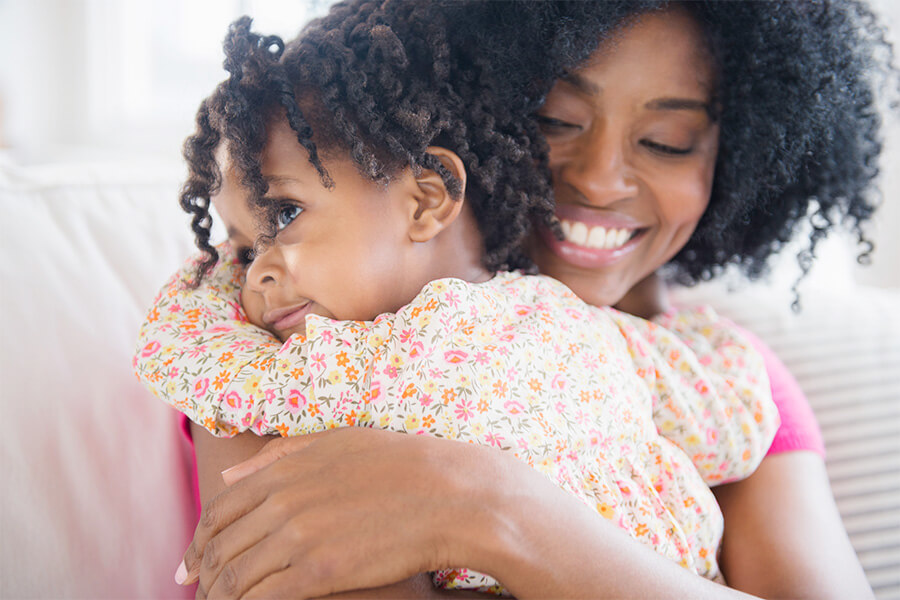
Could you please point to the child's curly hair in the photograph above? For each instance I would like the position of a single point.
(797, 82)
(375, 80)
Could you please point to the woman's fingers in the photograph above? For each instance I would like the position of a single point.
(224, 556)
(269, 453)
(219, 513)
(247, 569)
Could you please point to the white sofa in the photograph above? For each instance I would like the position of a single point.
(96, 479)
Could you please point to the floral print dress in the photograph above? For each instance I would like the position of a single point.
(635, 418)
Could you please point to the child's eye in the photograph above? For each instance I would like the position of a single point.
(286, 214)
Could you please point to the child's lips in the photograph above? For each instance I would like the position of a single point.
(281, 319)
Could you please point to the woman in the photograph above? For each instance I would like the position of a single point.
(727, 119)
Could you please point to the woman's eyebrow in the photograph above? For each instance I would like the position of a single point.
(583, 85)
(679, 104)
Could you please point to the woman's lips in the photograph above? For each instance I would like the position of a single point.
(582, 254)
(282, 319)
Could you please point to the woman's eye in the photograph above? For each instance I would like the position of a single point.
(666, 149)
(245, 256)
(551, 124)
(286, 215)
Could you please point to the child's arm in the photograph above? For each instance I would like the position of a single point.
(197, 352)
(710, 389)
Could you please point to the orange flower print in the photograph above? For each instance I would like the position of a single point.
(226, 357)
(534, 384)
(448, 396)
(342, 359)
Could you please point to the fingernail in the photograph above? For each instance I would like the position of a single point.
(228, 473)
(181, 574)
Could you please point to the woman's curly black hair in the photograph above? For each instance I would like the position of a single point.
(799, 125)
(376, 81)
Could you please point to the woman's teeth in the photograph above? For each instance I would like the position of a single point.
(598, 237)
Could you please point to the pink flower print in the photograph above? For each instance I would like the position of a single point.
(455, 356)
(327, 337)
(220, 328)
(494, 439)
(523, 310)
(711, 436)
(416, 349)
(195, 352)
(407, 335)
(317, 360)
(451, 298)
(513, 407)
(173, 372)
(390, 371)
(247, 419)
(522, 444)
(200, 387)
(425, 400)
(295, 401)
(233, 400)
(175, 308)
(558, 382)
(464, 410)
(560, 407)
(482, 358)
(270, 396)
(150, 349)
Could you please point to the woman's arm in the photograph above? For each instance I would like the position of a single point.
(386, 506)
(784, 536)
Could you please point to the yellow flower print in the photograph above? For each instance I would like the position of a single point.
(251, 385)
(335, 377)
(430, 387)
(605, 510)
(375, 340)
(396, 361)
(412, 422)
(477, 429)
(384, 421)
(424, 320)
(439, 286)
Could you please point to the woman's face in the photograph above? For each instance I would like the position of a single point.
(632, 152)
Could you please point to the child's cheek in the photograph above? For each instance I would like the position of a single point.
(254, 306)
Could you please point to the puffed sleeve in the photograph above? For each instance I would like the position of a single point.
(197, 352)
(711, 394)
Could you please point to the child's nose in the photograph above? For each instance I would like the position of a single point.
(264, 272)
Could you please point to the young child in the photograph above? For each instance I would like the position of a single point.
(385, 237)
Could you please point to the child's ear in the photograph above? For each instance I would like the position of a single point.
(436, 207)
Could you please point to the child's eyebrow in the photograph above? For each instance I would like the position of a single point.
(277, 179)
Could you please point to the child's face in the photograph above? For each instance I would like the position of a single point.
(338, 253)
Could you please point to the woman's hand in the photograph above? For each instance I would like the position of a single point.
(339, 510)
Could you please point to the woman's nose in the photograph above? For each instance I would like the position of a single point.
(600, 171)
(265, 271)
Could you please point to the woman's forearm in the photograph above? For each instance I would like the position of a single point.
(542, 542)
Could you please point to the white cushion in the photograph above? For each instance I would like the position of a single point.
(96, 479)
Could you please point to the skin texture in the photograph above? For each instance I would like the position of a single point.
(330, 498)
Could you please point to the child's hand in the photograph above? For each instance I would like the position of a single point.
(341, 510)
